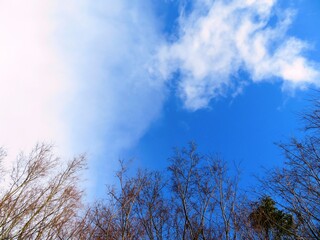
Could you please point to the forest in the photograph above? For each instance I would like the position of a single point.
(198, 196)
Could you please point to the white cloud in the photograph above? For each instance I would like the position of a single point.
(220, 38)
(115, 97)
(77, 74)
(32, 76)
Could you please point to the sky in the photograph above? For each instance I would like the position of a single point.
(134, 79)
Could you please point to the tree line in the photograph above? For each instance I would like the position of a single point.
(197, 197)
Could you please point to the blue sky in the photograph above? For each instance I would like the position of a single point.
(122, 79)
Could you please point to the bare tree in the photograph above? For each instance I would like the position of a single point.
(196, 200)
(205, 196)
(153, 209)
(115, 218)
(43, 199)
(227, 196)
(297, 184)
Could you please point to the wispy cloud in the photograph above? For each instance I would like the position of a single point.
(218, 39)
